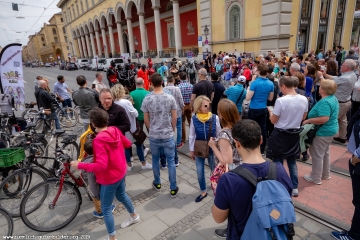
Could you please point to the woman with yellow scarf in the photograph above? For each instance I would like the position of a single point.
(204, 125)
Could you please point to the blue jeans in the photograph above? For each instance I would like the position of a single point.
(67, 103)
(178, 130)
(167, 146)
(292, 170)
(139, 151)
(259, 116)
(57, 123)
(200, 169)
(107, 194)
(163, 158)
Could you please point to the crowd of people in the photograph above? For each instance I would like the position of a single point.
(286, 96)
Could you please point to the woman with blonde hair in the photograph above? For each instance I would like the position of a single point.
(324, 115)
(203, 126)
(119, 96)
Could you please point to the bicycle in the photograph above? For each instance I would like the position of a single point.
(6, 224)
(16, 184)
(57, 201)
(68, 117)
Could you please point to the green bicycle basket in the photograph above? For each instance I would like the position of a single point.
(11, 156)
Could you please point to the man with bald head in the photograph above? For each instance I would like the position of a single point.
(45, 100)
(138, 96)
(203, 87)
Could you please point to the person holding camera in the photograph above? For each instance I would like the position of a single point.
(280, 70)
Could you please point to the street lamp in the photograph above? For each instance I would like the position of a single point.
(206, 33)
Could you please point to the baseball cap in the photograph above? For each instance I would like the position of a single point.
(242, 79)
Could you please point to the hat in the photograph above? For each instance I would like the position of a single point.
(242, 79)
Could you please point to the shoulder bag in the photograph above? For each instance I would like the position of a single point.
(139, 135)
(201, 147)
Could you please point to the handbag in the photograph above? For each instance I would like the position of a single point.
(219, 170)
(201, 147)
(139, 135)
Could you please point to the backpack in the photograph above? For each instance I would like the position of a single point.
(191, 72)
(273, 212)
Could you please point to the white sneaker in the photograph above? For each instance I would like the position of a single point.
(130, 221)
(146, 151)
(147, 166)
(295, 192)
(129, 168)
(131, 159)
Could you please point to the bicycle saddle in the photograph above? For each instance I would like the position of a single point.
(30, 125)
(59, 132)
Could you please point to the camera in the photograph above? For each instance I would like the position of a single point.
(282, 73)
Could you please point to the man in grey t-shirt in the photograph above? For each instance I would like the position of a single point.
(160, 118)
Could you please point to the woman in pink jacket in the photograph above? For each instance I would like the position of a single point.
(109, 166)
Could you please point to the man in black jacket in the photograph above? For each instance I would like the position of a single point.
(45, 100)
(117, 114)
(338, 56)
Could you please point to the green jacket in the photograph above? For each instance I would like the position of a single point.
(303, 136)
(138, 96)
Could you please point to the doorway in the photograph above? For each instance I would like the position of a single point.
(126, 42)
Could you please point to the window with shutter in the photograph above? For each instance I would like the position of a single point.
(234, 23)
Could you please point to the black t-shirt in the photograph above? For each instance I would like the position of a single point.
(203, 87)
(218, 93)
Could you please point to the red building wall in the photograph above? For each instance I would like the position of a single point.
(185, 18)
(150, 28)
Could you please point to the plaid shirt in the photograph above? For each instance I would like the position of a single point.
(186, 91)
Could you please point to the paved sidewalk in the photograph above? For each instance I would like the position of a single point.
(163, 217)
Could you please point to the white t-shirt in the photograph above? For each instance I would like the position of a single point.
(290, 109)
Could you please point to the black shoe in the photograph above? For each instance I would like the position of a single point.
(200, 198)
(221, 233)
(340, 139)
(174, 192)
(305, 158)
(157, 186)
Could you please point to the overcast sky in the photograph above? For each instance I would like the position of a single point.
(31, 10)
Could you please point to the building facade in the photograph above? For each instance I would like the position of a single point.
(33, 46)
(54, 42)
(323, 24)
(168, 28)
(25, 54)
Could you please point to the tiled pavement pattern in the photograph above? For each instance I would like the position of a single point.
(163, 217)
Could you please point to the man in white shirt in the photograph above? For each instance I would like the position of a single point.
(98, 82)
(287, 115)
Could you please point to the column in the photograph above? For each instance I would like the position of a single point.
(176, 11)
(80, 47)
(88, 45)
(103, 35)
(83, 45)
(130, 35)
(112, 43)
(120, 36)
(143, 32)
(98, 43)
(159, 45)
(92, 44)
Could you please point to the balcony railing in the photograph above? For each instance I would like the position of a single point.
(151, 54)
(167, 53)
(188, 52)
(136, 55)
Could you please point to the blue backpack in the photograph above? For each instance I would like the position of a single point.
(228, 75)
(273, 212)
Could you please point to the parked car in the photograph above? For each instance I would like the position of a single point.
(89, 63)
(71, 66)
(34, 64)
(81, 63)
(101, 64)
(48, 65)
(62, 66)
(118, 61)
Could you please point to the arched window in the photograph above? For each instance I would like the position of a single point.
(87, 4)
(54, 31)
(82, 7)
(77, 10)
(234, 22)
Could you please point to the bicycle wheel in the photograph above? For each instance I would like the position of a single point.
(6, 224)
(31, 115)
(68, 117)
(71, 149)
(48, 217)
(15, 186)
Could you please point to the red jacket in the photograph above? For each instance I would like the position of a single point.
(247, 74)
(109, 163)
(144, 75)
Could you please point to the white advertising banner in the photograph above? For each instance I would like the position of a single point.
(11, 73)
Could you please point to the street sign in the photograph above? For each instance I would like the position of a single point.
(200, 41)
(15, 7)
